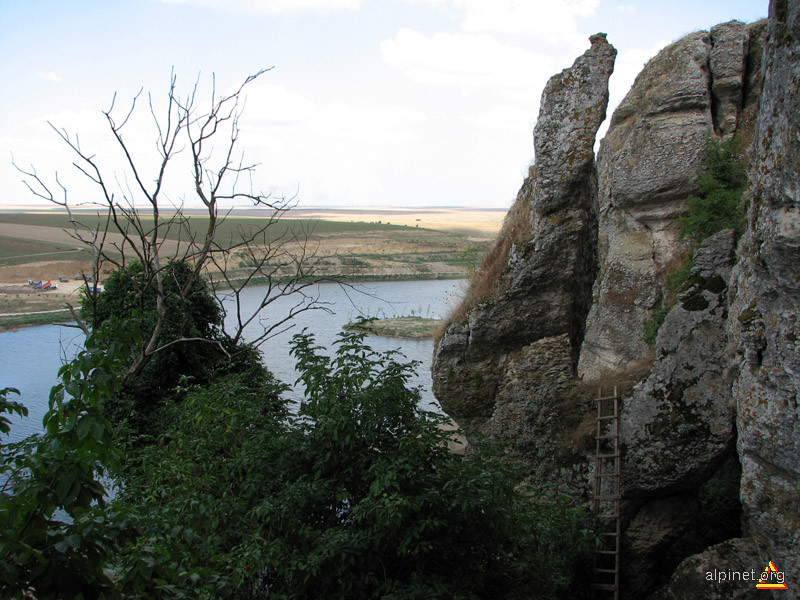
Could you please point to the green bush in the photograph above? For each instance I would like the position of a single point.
(235, 495)
(354, 497)
(126, 313)
(55, 537)
(651, 326)
(720, 185)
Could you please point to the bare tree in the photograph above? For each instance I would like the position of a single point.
(137, 223)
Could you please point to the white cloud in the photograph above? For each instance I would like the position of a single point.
(551, 20)
(274, 104)
(270, 107)
(275, 6)
(50, 76)
(506, 118)
(332, 151)
(627, 8)
(368, 123)
(469, 61)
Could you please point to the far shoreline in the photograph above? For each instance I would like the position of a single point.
(64, 316)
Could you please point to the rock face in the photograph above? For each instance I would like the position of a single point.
(765, 312)
(677, 428)
(710, 434)
(647, 168)
(678, 425)
(476, 372)
(705, 576)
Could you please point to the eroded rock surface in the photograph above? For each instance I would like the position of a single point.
(765, 313)
(678, 425)
(647, 168)
(476, 376)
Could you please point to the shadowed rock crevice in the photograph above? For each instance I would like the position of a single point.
(648, 167)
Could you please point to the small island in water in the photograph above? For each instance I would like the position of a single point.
(414, 328)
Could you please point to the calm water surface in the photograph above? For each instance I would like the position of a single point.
(30, 357)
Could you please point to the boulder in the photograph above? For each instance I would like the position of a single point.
(678, 425)
(722, 572)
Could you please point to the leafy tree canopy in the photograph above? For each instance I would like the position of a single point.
(194, 347)
(354, 496)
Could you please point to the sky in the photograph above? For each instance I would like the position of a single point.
(381, 103)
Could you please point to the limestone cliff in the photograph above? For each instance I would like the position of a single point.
(647, 168)
(481, 372)
(711, 430)
(764, 321)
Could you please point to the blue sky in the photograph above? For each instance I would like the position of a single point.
(370, 102)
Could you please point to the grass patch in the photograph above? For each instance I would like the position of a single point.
(16, 251)
(229, 229)
(26, 320)
(487, 280)
(651, 326)
(413, 328)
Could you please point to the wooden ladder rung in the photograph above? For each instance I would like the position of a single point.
(603, 498)
(605, 587)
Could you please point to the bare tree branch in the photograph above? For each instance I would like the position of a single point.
(120, 234)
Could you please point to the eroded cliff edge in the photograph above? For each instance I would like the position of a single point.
(713, 414)
(482, 372)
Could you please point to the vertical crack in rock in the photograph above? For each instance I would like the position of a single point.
(764, 322)
(727, 66)
(648, 167)
(549, 278)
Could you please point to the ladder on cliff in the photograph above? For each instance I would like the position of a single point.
(606, 563)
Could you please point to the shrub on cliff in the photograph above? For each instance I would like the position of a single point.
(718, 204)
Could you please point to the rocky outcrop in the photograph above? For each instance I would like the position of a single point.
(677, 427)
(710, 434)
(476, 373)
(647, 168)
(725, 571)
(765, 312)
(727, 63)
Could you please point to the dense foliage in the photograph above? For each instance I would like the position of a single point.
(126, 312)
(354, 497)
(718, 204)
(236, 493)
(54, 529)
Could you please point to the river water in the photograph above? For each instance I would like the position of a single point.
(30, 357)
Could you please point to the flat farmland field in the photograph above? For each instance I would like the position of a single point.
(348, 243)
